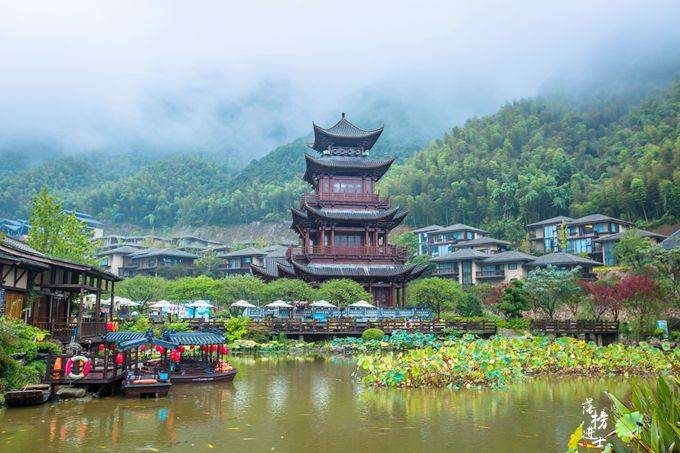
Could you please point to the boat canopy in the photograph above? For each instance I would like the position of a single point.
(193, 338)
(131, 340)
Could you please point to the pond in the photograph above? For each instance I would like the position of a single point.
(312, 404)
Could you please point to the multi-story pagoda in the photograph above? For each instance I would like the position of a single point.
(344, 225)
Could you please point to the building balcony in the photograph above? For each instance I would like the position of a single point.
(492, 274)
(390, 251)
(453, 273)
(346, 199)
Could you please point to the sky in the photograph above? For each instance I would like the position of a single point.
(243, 77)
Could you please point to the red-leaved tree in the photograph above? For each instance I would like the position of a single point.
(603, 297)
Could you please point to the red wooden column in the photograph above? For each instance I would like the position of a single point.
(366, 238)
(385, 242)
(375, 240)
(306, 245)
(332, 244)
(323, 238)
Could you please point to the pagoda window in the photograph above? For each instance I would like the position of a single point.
(346, 185)
(369, 185)
(349, 240)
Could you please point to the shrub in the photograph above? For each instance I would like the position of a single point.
(520, 324)
(469, 305)
(236, 328)
(140, 324)
(372, 334)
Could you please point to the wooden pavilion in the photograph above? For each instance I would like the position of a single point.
(49, 292)
(344, 225)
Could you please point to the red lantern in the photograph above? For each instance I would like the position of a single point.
(112, 347)
(119, 358)
(192, 347)
(204, 348)
(213, 348)
(142, 348)
(161, 350)
(224, 350)
(180, 348)
(175, 355)
(101, 347)
(109, 327)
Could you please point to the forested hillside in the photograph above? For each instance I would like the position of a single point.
(538, 158)
(533, 159)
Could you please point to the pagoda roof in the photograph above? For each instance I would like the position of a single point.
(392, 217)
(409, 271)
(344, 134)
(354, 214)
(344, 165)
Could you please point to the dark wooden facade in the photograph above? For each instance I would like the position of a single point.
(344, 225)
(49, 292)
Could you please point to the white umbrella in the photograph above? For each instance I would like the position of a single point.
(163, 304)
(243, 304)
(279, 304)
(200, 304)
(122, 302)
(362, 304)
(322, 304)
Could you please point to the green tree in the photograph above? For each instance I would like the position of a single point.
(57, 233)
(288, 289)
(210, 266)
(342, 292)
(549, 288)
(435, 293)
(514, 300)
(562, 237)
(638, 253)
(192, 288)
(408, 240)
(468, 305)
(143, 289)
(244, 287)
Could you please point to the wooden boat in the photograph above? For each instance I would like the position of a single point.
(141, 386)
(31, 395)
(202, 376)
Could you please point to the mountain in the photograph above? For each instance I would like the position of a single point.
(542, 157)
(610, 148)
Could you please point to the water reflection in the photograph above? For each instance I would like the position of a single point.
(314, 404)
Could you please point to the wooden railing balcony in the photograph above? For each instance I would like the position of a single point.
(63, 330)
(361, 250)
(345, 198)
(445, 272)
(496, 273)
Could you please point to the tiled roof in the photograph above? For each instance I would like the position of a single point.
(122, 250)
(551, 221)
(356, 270)
(344, 165)
(426, 229)
(618, 236)
(460, 227)
(672, 241)
(563, 259)
(354, 214)
(248, 251)
(481, 241)
(344, 133)
(511, 256)
(145, 253)
(463, 254)
(595, 218)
